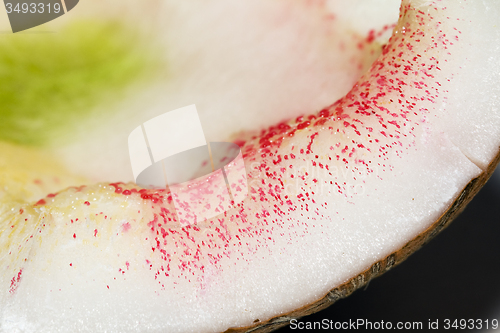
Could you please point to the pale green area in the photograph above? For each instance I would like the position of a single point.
(51, 81)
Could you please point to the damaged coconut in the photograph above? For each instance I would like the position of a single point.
(335, 197)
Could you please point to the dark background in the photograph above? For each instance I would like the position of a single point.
(455, 276)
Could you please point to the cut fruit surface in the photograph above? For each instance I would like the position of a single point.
(336, 196)
(264, 63)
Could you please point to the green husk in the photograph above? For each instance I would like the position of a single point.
(49, 82)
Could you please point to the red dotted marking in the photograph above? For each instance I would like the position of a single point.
(14, 282)
(41, 202)
(376, 118)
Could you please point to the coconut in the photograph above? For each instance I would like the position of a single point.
(335, 197)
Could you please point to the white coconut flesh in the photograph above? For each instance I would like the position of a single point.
(330, 193)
